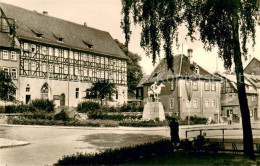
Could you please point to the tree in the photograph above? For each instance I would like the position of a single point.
(102, 90)
(221, 23)
(134, 70)
(7, 87)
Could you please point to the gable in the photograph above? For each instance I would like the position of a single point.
(253, 67)
(182, 68)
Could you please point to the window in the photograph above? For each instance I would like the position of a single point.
(14, 73)
(213, 86)
(44, 67)
(44, 91)
(214, 103)
(51, 51)
(171, 103)
(56, 52)
(33, 66)
(65, 54)
(6, 70)
(44, 50)
(76, 56)
(71, 70)
(50, 68)
(26, 65)
(71, 55)
(66, 70)
(27, 89)
(13, 56)
(77, 93)
(85, 72)
(76, 71)
(98, 73)
(207, 103)
(195, 85)
(33, 48)
(195, 103)
(90, 73)
(102, 74)
(206, 86)
(188, 104)
(5, 55)
(172, 85)
(253, 97)
(197, 70)
(26, 47)
(57, 69)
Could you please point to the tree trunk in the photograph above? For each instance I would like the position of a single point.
(247, 131)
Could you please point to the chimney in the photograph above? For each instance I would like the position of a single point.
(190, 51)
(85, 24)
(45, 13)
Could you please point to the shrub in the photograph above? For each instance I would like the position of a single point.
(43, 104)
(149, 123)
(109, 109)
(10, 109)
(90, 123)
(39, 115)
(120, 155)
(25, 108)
(131, 108)
(198, 120)
(2, 110)
(19, 109)
(105, 116)
(62, 116)
(88, 106)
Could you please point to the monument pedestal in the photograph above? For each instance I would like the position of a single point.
(153, 110)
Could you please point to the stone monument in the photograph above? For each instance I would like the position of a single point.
(153, 108)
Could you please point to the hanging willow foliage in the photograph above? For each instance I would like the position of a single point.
(160, 20)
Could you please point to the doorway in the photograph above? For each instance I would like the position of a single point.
(27, 99)
(62, 99)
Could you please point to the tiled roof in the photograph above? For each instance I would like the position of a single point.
(5, 40)
(232, 79)
(253, 67)
(140, 84)
(74, 36)
(253, 79)
(182, 68)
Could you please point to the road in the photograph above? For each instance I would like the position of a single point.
(50, 143)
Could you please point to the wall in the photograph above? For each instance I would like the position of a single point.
(58, 87)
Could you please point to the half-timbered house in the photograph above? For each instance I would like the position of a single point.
(56, 59)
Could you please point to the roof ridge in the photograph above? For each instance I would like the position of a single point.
(41, 14)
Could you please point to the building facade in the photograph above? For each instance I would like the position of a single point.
(229, 98)
(190, 90)
(56, 59)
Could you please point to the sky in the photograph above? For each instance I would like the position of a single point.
(106, 15)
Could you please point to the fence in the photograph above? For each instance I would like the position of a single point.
(233, 145)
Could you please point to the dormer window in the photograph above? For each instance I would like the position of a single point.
(59, 38)
(37, 34)
(197, 70)
(88, 44)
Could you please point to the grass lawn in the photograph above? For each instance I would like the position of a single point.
(180, 158)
